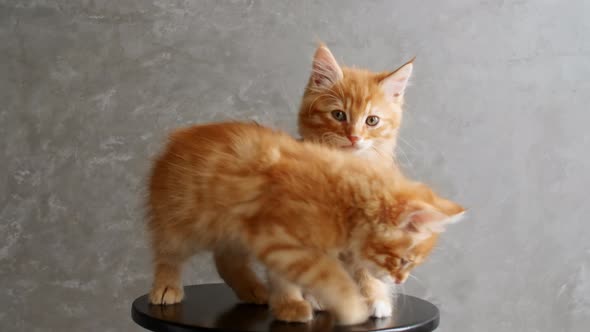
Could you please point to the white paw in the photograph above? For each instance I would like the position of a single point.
(315, 304)
(380, 309)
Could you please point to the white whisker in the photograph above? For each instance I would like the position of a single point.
(407, 143)
(405, 156)
(416, 278)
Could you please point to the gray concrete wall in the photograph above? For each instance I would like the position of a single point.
(497, 117)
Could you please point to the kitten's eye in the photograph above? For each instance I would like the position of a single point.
(339, 115)
(372, 120)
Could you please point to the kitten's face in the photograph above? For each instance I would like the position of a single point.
(409, 234)
(403, 256)
(352, 109)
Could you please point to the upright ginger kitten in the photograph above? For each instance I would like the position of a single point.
(243, 191)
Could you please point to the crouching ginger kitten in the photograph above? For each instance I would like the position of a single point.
(244, 191)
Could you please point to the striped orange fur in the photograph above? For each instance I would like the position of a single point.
(244, 191)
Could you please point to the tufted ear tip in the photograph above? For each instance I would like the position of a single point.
(325, 68)
(430, 221)
(458, 217)
(394, 85)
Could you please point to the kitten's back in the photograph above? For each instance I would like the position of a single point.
(219, 165)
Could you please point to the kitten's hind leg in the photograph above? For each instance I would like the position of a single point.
(286, 301)
(317, 272)
(169, 256)
(234, 265)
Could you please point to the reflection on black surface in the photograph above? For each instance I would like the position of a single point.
(215, 308)
(167, 312)
(249, 317)
(321, 322)
(243, 316)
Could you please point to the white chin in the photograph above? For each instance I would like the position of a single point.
(361, 147)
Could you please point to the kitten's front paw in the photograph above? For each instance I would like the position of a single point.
(166, 295)
(289, 310)
(381, 308)
(315, 304)
(355, 312)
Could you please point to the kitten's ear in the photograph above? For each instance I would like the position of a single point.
(446, 206)
(430, 221)
(325, 70)
(394, 85)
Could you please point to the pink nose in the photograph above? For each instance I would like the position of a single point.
(353, 139)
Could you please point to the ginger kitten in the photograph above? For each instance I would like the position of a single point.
(244, 191)
(353, 109)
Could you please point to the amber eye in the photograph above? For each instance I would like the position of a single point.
(339, 115)
(372, 120)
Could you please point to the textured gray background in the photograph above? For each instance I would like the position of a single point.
(497, 118)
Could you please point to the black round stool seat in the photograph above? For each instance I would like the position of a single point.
(214, 307)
